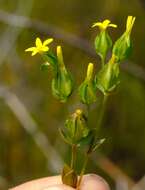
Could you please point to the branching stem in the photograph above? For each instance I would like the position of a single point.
(83, 170)
(102, 112)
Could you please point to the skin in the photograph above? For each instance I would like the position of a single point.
(89, 182)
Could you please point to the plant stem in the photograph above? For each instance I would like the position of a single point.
(102, 112)
(73, 158)
(102, 61)
(82, 171)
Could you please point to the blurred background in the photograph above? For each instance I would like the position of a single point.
(30, 146)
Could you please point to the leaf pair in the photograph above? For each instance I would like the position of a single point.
(75, 128)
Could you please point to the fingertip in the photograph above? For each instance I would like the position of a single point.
(59, 187)
(39, 183)
(94, 182)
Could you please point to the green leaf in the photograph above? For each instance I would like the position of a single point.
(65, 137)
(87, 140)
(98, 144)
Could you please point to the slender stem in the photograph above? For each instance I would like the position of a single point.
(73, 158)
(82, 171)
(102, 112)
(98, 127)
(86, 157)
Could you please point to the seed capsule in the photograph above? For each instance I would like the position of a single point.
(87, 90)
(62, 84)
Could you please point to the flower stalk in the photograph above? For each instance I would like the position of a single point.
(83, 170)
(73, 158)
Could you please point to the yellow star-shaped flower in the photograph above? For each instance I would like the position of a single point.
(40, 46)
(104, 25)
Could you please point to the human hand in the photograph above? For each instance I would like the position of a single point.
(89, 182)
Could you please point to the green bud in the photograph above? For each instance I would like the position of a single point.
(62, 82)
(108, 77)
(103, 41)
(69, 177)
(76, 128)
(123, 46)
(87, 90)
(103, 44)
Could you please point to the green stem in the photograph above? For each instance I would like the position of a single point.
(73, 158)
(102, 112)
(82, 171)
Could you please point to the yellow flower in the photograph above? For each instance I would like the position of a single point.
(130, 23)
(104, 25)
(40, 46)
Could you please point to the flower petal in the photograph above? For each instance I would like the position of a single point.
(31, 49)
(38, 42)
(48, 41)
(113, 25)
(106, 23)
(34, 52)
(45, 48)
(97, 24)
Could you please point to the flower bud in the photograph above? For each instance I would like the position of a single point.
(87, 90)
(62, 82)
(103, 41)
(108, 77)
(103, 44)
(76, 128)
(123, 46)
